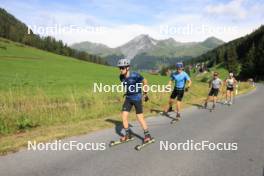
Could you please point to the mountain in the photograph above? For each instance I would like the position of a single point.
(212, 42)
(149, 49)
(13, 29)
(146, 44)
(243, 56)
(171, 48)
(95, 48)
(139, 44)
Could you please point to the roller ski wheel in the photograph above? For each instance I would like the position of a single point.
(212, 109)
(174, 120)
(144, 144)
(178, 118)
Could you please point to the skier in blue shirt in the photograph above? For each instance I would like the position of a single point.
(180, 78)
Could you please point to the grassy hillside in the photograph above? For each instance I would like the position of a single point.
(45, 96)
(27, 67)
(15, 30)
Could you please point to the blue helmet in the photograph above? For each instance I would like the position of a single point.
(179, 65)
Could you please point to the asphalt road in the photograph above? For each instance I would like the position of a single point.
(242, 124)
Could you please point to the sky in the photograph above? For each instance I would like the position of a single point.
(114, 22)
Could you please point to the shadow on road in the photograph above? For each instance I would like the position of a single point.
(199, 106)
(161, 112)
(119, 126)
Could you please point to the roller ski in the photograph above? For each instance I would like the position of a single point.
(178, 117)
(229, 103)
(147, 140)
(210, 109)
(213, 108)
(203, 106)
(124, 139)
(118, 142)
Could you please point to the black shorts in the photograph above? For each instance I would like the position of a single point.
(213, 92)
(177, 93)
(127, 106)
(230, 89)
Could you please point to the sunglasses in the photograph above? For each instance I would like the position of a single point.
(122, 68)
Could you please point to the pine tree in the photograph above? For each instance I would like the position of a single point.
(232, 60)
(248, 66)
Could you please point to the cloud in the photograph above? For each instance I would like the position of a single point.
(111, 36)
(183, 27)
(114, 22)
(234, 9)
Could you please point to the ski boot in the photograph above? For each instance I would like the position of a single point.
(146, 141)
(205, 105)
(124, 139)
(213, 107)
(170, 109)
(178, 117)
(128, 136)
(147, 138)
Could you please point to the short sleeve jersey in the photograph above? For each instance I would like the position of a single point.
(180, 79)
(133, 85)
(216, 83)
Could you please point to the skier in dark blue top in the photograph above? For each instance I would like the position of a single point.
(134, 84)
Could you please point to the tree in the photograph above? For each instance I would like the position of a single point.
(232, 62)
(247, 69)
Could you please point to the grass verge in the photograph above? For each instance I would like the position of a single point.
(48, 119)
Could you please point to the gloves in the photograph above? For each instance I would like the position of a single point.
(187, 89)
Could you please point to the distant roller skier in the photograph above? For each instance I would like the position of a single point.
(230, 84)
(215, 86)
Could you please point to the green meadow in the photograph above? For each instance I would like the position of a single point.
(44, 96)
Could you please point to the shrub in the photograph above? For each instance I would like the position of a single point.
(24, 122)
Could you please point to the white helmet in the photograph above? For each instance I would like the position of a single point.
(123, 63)
(231, 74)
